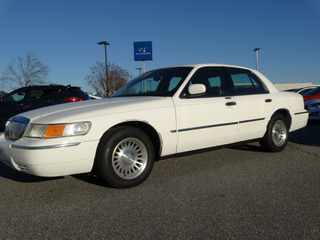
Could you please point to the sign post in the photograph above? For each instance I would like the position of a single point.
(143, 52)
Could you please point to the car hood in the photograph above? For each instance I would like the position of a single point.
(85, 110)
(309, 102)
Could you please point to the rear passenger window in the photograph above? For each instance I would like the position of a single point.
(36, 94)
(246, 83)
(39, 93)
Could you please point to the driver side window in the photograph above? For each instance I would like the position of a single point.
(213, 79)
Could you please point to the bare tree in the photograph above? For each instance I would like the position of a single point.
(25, 71)
(2, 93)
(117, 77)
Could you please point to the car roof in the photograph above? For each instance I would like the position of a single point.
(209, 65)
(45, 86)
(266, 81)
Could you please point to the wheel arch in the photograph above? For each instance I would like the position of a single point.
(284, 112)
(147, 128)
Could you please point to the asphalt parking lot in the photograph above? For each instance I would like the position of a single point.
(228, 193)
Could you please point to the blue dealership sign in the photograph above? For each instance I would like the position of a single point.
(142, 51)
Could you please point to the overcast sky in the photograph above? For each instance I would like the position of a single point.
(64, 35)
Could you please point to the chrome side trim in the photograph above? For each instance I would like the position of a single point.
(252, 120)
(301, 113)
(202, 127)
(216, 125)
(46, 147)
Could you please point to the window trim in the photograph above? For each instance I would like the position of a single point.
(224, 77)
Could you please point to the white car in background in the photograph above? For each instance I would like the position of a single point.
(162, 112)
(313, 107)
(304, 90)
(94, 96)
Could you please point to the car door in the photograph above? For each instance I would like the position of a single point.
(208, 119)
(253, 103)
(41, 97)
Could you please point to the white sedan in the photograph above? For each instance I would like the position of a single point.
(162, 112)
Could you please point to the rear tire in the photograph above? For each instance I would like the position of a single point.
(277, 134)
(125, 157)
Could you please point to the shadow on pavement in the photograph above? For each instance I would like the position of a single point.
(90, 178)
(309, 135)
(252, 147)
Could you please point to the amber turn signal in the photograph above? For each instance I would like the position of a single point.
(54, 131)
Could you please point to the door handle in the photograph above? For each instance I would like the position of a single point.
(268, 100)
(231, 103)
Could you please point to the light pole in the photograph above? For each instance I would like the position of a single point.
(105, 43)
(139, 70)
(256, 50)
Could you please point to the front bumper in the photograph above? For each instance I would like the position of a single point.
(48, 158)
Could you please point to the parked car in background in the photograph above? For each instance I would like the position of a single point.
(160, 113)
(312, 94)
(313, 107)
(94, 96)
(304, 90)
(29, 98)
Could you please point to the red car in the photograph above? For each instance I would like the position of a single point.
(312, 94)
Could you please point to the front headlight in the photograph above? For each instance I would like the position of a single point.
(57, 130)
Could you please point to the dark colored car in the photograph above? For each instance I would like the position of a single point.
(29, 98)
(312, 94)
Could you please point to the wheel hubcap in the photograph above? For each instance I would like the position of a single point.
(129, 158)
(279, 133)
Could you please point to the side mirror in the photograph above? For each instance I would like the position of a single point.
(196, 89)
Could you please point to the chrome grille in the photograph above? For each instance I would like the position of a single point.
(15, 127)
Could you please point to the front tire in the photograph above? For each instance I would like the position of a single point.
(125, 157)
(277, 134)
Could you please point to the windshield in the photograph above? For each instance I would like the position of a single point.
(314, 91)
(162, 82)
